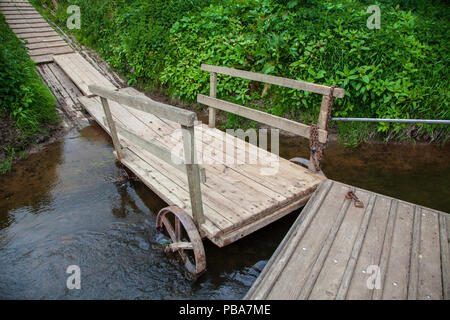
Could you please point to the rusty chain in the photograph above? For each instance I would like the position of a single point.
(314, 144)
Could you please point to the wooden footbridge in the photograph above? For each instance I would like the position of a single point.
(223, 188)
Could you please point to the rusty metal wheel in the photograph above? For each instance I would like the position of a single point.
(185, 238)
(303, 163)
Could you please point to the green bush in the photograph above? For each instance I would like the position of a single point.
(398, 71)
(23, 95)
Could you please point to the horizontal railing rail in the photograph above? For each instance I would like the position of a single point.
(260, 116)
(284, 82)
(181, 116)
(423, 121)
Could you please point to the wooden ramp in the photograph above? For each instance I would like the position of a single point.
(41, 40)
(238, 199)
(334, 250)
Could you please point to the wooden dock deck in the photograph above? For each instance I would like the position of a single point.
(335, 250)
(42, 41)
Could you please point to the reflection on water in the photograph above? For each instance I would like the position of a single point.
(68, 205)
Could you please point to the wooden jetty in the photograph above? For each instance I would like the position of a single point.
(42, 41)
(388, 249)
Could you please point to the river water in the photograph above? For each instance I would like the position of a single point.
(68, 205)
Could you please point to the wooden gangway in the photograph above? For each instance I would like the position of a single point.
(387, 249)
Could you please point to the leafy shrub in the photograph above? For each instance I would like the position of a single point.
(398, 71)
(23, 95)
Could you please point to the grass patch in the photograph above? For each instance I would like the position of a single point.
(27, 106)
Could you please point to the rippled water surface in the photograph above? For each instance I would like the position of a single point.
(69, 205)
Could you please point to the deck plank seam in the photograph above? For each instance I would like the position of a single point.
(385, 253)
(356, 250)
(316, 267)
(445, 263)
(414, 264)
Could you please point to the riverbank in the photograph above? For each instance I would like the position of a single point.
(28, 115)
(398, 71)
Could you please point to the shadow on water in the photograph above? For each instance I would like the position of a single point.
(69, 205)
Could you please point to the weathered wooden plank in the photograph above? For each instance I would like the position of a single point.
(415, 253)
(367, 248)
(263, 117)
(315, 269)
(212, 94)
(284, 82)
(348, 277)
(24, 13)
(430, 273)
(47, 39)
(380, 275)
(15, 26)
(51, 50)
(396, 274)
(47, 44)
(193, 174)
(27, 21)
(4, 8)
(234, 235)
(322, 125)
(24, 6)
(81, 72)
(37, 35)
(181, 116)
(112, 128)
(22, 16)
(333, 269)
(42, 59)
(31, 30)
(445, 257)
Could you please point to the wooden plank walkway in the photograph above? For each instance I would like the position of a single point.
(81, 72)
(334, 249)
(237, 198)
(41, 40)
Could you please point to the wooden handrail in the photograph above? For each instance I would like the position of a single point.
(284, 82)
(181, 116)
(263, 117)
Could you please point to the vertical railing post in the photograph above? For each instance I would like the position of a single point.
(193, 174)
(322, 124)
(212, 94)
(112, 128)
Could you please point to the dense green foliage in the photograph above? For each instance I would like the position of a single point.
(23, 95)
(24, 99)
(398, 71)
